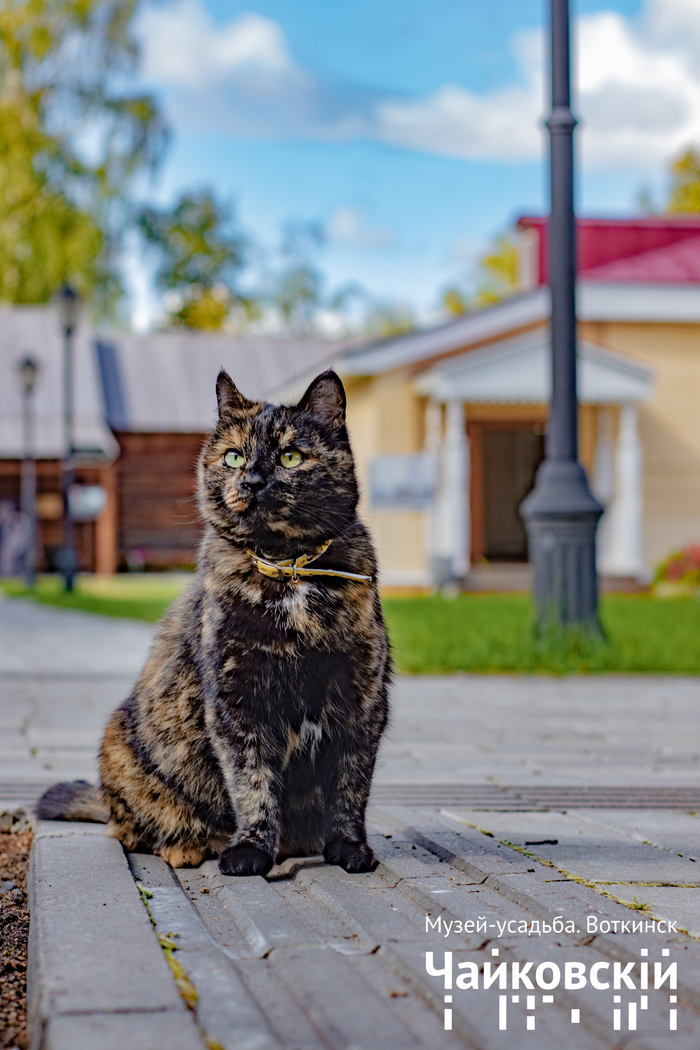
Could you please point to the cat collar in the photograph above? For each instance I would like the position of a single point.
(293, 568)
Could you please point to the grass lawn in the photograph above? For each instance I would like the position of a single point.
(494, 632)
(136, 596)
(435, 635)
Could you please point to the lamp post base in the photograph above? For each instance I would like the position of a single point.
(67, 564)
(561, 516)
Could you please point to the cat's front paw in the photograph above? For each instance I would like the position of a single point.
(245, 860)
(355, 857)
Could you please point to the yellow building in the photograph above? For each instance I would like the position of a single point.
(448, 428)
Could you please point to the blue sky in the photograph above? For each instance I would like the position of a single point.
(409, 129)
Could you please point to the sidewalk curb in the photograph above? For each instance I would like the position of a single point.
(96, 974)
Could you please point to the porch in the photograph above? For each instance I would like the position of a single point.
(485, 426)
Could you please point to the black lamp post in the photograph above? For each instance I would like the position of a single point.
(69, 311)
(560, 513)
(28, 370)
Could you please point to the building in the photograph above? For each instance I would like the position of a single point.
(35, 332)
(448, 424)
(143, 405)
(160, 402)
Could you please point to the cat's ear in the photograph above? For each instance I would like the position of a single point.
(229, 398)
(325, 399)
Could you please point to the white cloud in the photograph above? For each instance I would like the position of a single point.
(348, 225)
(185, 48)
(638, 90)
(456, 122)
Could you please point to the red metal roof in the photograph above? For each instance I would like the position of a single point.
(678, 263)
(650, 248)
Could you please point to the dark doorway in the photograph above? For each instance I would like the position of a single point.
(510, 461)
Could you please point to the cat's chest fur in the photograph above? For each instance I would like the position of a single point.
(294, 638)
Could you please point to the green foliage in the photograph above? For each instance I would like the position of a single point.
(455, 302)
(298, 296)
(199, 257)
(497, 279)
(385, 320)
(685, 183)
(498, 272)
(62, 67)
(297, 290)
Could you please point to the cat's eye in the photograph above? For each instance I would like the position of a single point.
(233, 458)
(291, 458)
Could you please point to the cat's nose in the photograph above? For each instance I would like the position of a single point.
(252, 481)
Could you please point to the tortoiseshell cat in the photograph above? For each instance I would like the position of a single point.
(253, 730)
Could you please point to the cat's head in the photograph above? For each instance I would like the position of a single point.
(279, 478)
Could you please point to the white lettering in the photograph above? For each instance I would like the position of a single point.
(446, 970)
(470, 979)
(547, 986)
(500, 974)
(595, 970)
(671, 974)
(574, 975)
(519, 973)
(620, 975)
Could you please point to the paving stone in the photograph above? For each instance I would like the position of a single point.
(600, 854)
(226, 1011)
(310, 957)
(340, 1003)
(132, 1031)
(669, 829)
(670, 903)
(92, 949)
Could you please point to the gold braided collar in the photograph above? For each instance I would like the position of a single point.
(293, 568)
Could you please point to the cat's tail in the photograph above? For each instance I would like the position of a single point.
(76, 800)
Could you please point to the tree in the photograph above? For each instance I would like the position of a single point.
(498, 272)
(63, 66)
(200, 256)
(297, 296)
(685, 183)
(497, 279)
(297, 288)
(386, 320)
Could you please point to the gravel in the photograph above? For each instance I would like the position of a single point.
(15, 844)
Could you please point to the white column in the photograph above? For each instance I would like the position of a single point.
(604, 484)
(456, 489)
(625, 545)
(434, 531)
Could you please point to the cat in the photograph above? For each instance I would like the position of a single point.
(253, 729)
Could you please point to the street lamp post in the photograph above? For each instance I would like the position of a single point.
(69, 310)
(28, 370)
(560, 513)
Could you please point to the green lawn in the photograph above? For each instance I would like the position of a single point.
(136, 596)
(494, 632)
(435, 635)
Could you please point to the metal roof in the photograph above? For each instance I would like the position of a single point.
(34, 331)
(623, 301)
(677, 263)
(165, 381)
